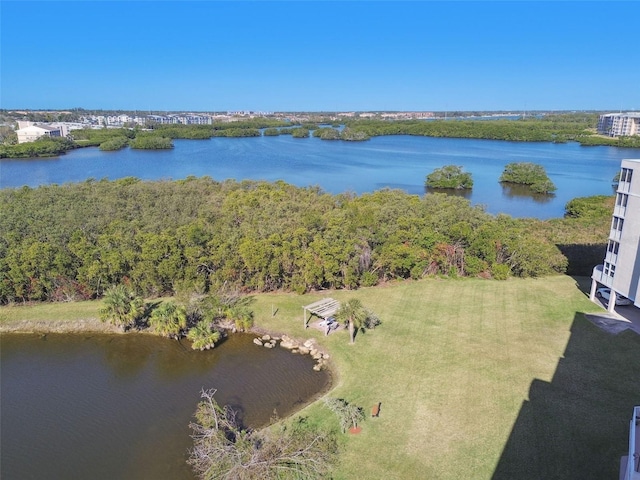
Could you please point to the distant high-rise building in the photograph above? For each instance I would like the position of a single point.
(619, 124)
(621, 268)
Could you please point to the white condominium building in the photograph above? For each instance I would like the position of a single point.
(621, 268)
(619, 124)
(34, 132)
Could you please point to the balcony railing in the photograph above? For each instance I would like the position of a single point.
(599, 276)
(619, 211)
(615, 234)
(612, 258)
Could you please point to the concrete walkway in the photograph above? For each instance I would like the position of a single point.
(624, 318)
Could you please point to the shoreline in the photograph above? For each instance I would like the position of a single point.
(96, 326)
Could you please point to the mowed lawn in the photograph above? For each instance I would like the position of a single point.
(478, 379)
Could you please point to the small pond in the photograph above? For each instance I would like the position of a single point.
(119, 406)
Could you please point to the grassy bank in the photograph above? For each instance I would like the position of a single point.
(477, 379)
(73, 317)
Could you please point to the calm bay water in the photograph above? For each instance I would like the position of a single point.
(390, 161)
(118, 407)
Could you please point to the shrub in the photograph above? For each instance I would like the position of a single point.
(271, 132)
(327, 134)
(151, 142)
(449, 176)
(368, 279)
(526, 173)
(116, 143)
(474, 266)
(500, 271)
(598, 206)
(300, 133)
(353, 135)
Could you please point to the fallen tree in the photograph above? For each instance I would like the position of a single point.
(224, 449)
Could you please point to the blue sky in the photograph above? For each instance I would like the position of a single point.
(320, 56)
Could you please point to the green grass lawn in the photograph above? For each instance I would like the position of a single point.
(477, 378)
(68, 312)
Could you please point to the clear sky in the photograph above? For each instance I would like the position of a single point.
(320, 56)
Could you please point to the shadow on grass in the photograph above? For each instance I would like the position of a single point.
(576, 426)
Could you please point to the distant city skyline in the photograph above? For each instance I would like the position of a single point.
(320, 56)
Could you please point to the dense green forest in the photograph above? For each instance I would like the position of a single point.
(550, 128)
(63, 242)
(514, 130)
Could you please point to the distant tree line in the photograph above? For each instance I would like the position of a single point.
(622, 142)
(552, 128)
(512, 130)
(95, 137)
(43, 147)
(63, 242)
(236, 132)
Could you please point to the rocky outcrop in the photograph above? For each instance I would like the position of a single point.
(308, 347)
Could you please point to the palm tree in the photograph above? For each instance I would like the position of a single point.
(202, 336)
(121, 307)
(241, 316)
(169, 320)
(353, 314)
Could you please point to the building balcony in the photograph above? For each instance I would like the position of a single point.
(615, 234)
(599, 276)
(619, 211)
(624, 187)
(612, 258)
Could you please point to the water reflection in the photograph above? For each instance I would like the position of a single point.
(455, 192)
(515, 191)
(105, 407)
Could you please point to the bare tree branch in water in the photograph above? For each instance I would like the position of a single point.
(224, 450)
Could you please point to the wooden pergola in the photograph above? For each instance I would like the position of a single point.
(322, 308)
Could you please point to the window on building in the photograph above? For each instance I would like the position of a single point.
(621, 199)
(613, 247)
(625, 175)
(609, 269)
(617, 224)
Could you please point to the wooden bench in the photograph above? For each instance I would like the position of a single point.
(375, 411)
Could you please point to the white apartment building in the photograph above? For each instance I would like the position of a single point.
(630, 464)
(34, 132)
(619, 124)
(621, 268)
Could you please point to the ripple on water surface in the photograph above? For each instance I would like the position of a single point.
(119, 406)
